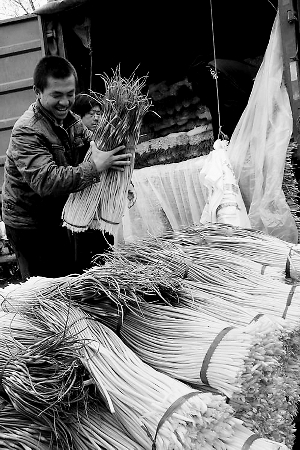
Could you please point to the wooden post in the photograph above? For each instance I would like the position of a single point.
(289, 24)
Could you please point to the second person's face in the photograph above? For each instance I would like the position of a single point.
(91, 119)
(58, 97)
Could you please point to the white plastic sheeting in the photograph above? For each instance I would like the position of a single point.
(168, 197)
(258, 147)
(224, 203)
(175, 195)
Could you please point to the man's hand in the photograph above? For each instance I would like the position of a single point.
(109, 160)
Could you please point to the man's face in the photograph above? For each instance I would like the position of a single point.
(58, 96)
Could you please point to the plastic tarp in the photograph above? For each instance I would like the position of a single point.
(187, 193)
(258, 147)
(224, 203)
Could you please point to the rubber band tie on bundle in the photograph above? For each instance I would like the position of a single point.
(255, 318)
(249, 441)
(289, 301)
(169, 412)
(263, 269)
(210, 352)
(288, 265)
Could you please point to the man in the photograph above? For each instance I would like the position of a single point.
(44, 164)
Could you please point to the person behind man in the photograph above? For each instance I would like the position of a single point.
(44, 164)
(88, 109)
(89, 243)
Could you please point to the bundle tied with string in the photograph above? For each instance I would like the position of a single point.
(274, 362)
(95, 427)
(252, 244)
(157, 411)
(115, 370)
(259, 292)
(198, 348)
(104, 290)
(41, 376)
(251, 289)
(101, 205)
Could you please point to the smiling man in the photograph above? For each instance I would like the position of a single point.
(44, 164)
(58, 97)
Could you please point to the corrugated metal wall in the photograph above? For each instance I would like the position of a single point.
(20, 49)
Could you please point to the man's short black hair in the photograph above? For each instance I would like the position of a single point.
(52, 66)
(83, 104)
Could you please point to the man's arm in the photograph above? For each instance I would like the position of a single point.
(40, 171)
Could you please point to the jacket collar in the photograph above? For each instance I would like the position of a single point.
(70, 120)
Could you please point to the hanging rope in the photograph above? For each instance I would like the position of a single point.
(215, 74)
(273, 6)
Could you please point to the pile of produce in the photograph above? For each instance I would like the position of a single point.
(245, 363)
(156, 345)
(156, 411)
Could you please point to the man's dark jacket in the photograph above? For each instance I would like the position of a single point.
(44, 164)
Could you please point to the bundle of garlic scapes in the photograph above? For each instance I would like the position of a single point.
(240, 280)
(216, 273)
(224, 260)
(259, 292)
(95, 427)
(102, 290)
(219, 273)
(18, 432)
(170, 413)
(195, 296)
(197, 348)
(244, 439)
(157, 269)
(156, 410)
(41, 376)
(179, 255)
(249, 243)
(181, 340)
(276, 366)
(101, 205)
